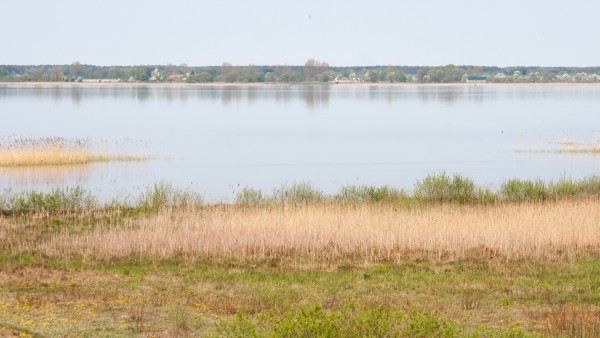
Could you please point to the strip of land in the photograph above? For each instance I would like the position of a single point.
(283, 85)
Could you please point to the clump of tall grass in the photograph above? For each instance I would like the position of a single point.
(521, 190)
(250, 196)
(443, 188)
(366, 193)
(535, 190)
(57, 200)
(54, 151)
(298, 193)
(162, 195)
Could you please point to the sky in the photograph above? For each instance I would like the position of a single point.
(340, 32)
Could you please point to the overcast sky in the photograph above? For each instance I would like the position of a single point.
(344, 32)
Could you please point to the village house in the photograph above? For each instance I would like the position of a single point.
(476, 79)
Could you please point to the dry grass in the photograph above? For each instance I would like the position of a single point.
(568, 147)
(369, 232)
(574, 321)
(52, 152)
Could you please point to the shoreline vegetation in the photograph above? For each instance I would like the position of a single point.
(447, 259)
(312, 71)
(48, 152)
(438, 188)
(183, 85)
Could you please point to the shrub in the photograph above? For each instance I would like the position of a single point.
(163, 195)
(309, 322)
(298, 193)
(422, 324)
(57, 200)
(441, 187)
(524, 190)
(370, 194)
(250, 196)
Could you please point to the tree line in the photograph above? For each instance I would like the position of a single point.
(312, 71)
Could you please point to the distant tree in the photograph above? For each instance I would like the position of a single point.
(184, 68)
(312, 69)
(57, 73)
(75, 67)
(141, 73)
(35, 74)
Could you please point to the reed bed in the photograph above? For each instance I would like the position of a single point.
(568, 147)
(332, 231)
(53, 152)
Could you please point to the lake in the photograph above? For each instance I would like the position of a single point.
(218, 139)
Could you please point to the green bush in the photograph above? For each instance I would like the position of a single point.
(441, 187)
(298, 193)
(309, 322)
(370, 194)
(524, 190)
(56, 200)
(163, 195)
(422, 324)
(250, 196)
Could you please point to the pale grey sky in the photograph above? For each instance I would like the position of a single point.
(344, 32)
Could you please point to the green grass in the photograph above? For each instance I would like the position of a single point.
(141, 297)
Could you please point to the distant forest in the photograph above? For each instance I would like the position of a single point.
(311, 71)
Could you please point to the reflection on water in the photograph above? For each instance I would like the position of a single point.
(313, 96)
(216, 139)
(55, 174)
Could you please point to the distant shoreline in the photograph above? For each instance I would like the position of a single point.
(126, 85)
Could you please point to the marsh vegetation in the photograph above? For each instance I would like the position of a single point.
(53, 152)
(447, 259)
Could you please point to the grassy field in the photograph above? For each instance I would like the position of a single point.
(447, 260)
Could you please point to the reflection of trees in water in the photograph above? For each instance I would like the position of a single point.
(315, 96)
(231, 94)
(76, 95)
(142, 93)
(312, 95)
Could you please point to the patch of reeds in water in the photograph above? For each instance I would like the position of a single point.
(568, 147)
(53, 152)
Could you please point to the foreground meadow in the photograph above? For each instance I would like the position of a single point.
(449, 260)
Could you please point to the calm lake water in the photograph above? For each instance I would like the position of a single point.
(216, 140)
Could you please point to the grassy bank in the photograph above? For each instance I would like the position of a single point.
(446, 259)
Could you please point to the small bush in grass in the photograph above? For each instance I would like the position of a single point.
(524, 190)
(370, 194)
(56, 200)
(309, 322)
(250, 196)
(590, 185)
(166, 195)
(441, 187)
(422, 324)
(298, 193)
(565, 188)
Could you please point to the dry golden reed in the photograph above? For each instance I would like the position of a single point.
(568, 147)
(369, 232)
(52, 152)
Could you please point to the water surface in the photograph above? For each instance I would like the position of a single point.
(216, 140)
